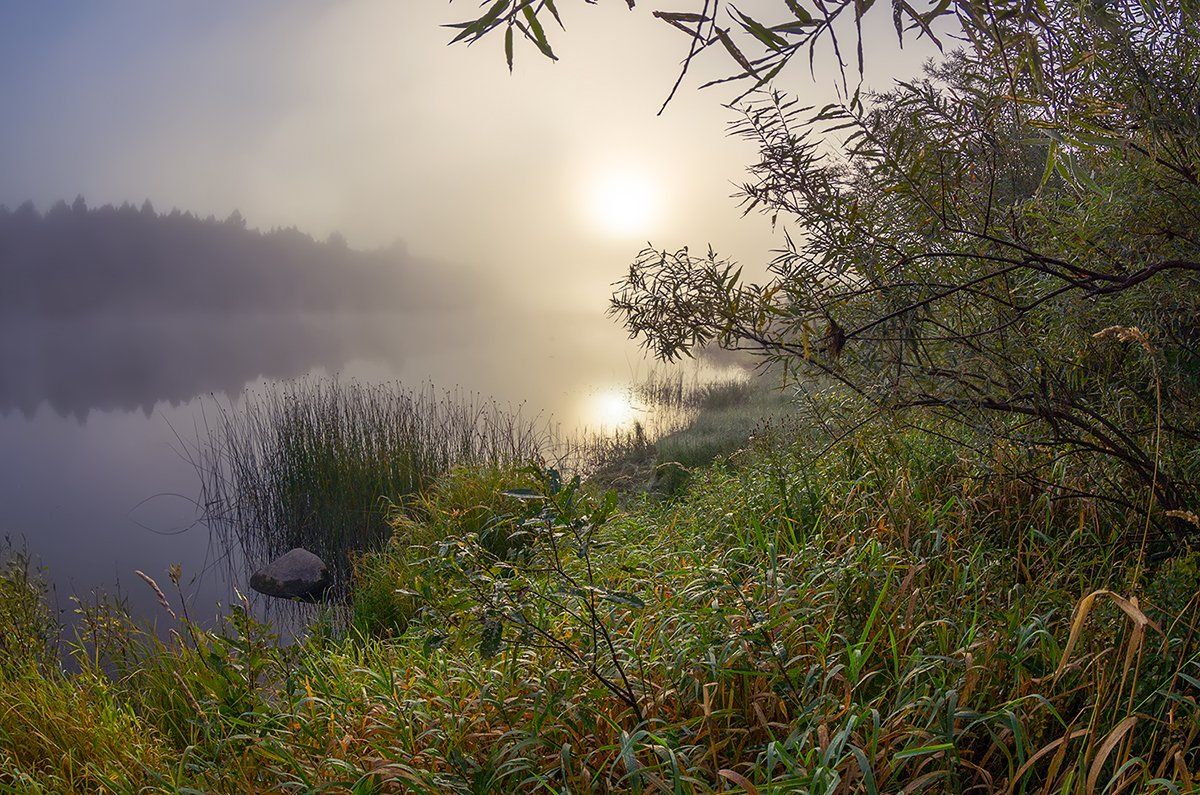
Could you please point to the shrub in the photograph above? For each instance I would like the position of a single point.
(391, 584)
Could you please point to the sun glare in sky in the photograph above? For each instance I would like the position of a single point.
(623, 202)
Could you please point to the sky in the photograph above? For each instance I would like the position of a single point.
(356, 116)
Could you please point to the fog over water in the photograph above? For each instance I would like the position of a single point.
(108, 380)
(334, 191)
(124, 332)
(97, 414)
(96, 423)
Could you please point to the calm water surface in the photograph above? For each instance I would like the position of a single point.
(96, 418)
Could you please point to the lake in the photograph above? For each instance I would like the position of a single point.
(97, 417)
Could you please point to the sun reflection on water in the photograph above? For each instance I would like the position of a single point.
(610, 409)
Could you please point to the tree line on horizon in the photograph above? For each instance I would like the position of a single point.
(73, 260)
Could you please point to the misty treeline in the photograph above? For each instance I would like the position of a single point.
(75, 260)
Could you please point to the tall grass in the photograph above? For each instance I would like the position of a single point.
(316, 463)
(881, 620)
(667, 391)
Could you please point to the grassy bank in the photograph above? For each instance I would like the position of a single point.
(883, 618)
(684, 422)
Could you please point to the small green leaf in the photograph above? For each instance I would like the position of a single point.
(522, 494)
(624, 598)
(539, 35)
(554, 13)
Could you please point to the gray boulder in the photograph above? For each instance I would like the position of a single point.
(298, 574)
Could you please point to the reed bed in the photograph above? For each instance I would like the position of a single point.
(318, 463)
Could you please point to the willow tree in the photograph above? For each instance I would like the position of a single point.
(1003, 252)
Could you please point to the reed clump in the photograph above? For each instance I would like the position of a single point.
(319, 463)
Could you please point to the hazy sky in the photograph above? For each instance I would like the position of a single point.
(356, 116)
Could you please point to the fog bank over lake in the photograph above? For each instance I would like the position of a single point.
(119, 308)
(115, 354)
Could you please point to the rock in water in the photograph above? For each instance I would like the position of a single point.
(298, 574)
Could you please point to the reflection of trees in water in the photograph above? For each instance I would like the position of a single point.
(77, 366)
(121, 308)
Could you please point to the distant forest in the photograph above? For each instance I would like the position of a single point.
(73, 260)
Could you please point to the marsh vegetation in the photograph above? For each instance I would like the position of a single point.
(882, 616)
(320, 463)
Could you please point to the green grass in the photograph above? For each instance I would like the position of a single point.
(462, 502)
(726, 415)
(884, 617)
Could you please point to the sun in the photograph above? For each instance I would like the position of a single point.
(623, 202)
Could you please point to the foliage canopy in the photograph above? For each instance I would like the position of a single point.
(1002, 251)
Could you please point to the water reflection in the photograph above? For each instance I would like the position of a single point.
(76, 494)
(612, 408)
(120, 326)
(80, 365)
(94, 414)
